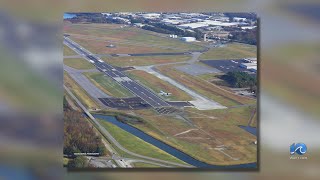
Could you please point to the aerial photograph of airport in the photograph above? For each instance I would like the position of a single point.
(161, 90)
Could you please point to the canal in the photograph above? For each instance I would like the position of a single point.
(167, 148)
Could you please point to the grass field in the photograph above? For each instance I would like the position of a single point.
(144, 60)
(79, 92)
(208, 76)
(206, 88)
(78, 63)
(212, 128)
(136, 145)
(95, 37)
(238, 143)
(158, 85)
(107, 85)
(67, 51)
(230, 51)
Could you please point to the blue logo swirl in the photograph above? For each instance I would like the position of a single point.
(299, 148)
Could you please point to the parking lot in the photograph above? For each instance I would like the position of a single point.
(227, 65)
(196, 69)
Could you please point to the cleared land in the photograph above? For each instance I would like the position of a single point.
(206, 88)
(95, 37)
(230, 51)
(137, 145)
(107, 85)
(67, 51)
(144, 60)
(78, 63)
(198, 133)
(158, 85)
(79, 92)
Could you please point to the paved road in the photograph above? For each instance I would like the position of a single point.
(144, 161)
(85, 83)
(133, 86)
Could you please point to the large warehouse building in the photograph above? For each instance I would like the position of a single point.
(188, 39)
(249, 66)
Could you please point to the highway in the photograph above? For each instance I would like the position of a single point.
(139, 90)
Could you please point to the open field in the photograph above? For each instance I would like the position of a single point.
(67, 51)
(206, 88)
(144, 60)
(79, 92)
(198, 133)
(78, 63)
(107, 85)
(230, 51)
(226, 131)
(95, 37)
(98, 46)
(158, 85)
(136, 145)
(214, 78)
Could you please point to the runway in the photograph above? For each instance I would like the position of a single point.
(118, 76)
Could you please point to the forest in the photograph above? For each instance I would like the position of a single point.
(79, 134)
(247, 37)
(239, 79)
(167, 29)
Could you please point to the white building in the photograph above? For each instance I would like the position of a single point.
(248, 65)
(239, 19)
(173, 36)
(188, 39)
(151, 15)
(206, 23)
(250, 60)
(139, 25)
(248, 27)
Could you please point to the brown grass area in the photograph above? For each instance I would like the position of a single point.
(208, 89)
(78, 63)
(224, 130)
(98, 46)
(95, 37)
(144, 60)
(158, 85)
(67, 51)
(201, 144)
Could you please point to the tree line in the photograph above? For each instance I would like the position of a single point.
(79, 134)
(248, 37)
(167, 29)
(238, 79)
